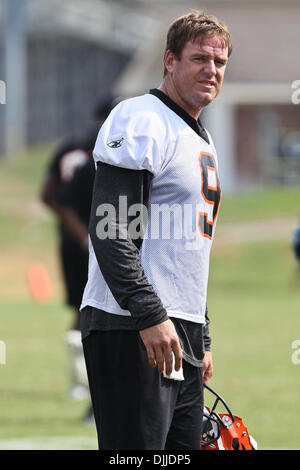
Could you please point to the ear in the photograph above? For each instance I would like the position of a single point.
(170, 60)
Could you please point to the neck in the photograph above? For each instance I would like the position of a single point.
(168, 87)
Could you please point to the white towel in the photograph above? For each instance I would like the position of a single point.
(175, 375)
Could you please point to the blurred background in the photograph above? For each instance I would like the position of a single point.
(58, 59)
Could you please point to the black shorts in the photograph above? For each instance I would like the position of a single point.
(135, 407)
(75, 270)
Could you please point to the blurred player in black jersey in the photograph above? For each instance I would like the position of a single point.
(73, 205)
(74, 157)
(296, 243)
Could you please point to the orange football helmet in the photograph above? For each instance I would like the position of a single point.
(224, 431)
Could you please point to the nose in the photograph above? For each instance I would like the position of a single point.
(210, 67)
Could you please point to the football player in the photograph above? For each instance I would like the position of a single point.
(155, 204)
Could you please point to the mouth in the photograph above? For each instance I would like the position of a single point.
(209, 84)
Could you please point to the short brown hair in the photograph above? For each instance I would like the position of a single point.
(192, 25)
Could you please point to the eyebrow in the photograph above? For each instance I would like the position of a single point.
(203, 54)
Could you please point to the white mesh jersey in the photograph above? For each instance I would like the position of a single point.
(144, 133)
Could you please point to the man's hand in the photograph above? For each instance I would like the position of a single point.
(207, 367)
(160, 341)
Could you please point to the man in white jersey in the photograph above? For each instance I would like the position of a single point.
(144, 316)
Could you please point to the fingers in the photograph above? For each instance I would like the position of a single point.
(168, 358)
(159, 359)
(178, 355)
(160, 341)
(151, 356)
(163, 358)
(207, 378)
(207, 371)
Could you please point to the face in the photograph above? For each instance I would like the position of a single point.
(194, 80)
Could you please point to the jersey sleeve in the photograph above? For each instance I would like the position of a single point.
(118, 257)
(131, 138)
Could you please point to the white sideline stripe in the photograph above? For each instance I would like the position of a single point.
(50, 443)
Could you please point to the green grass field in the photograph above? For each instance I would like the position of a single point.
(254, 300)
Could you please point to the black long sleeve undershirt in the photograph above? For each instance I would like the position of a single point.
(118, 258)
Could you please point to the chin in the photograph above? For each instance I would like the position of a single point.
(209, 97)
(205, 100)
